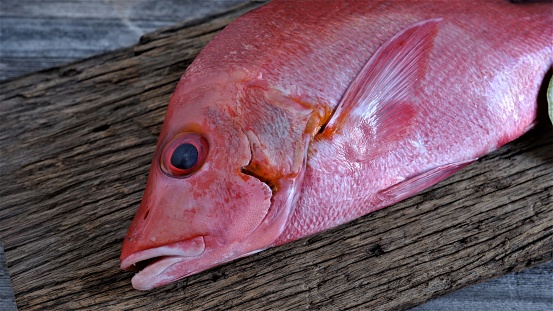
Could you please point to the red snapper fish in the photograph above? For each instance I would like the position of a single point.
(303, 115)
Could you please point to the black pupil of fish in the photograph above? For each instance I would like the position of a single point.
(185, 156)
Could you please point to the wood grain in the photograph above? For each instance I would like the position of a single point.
(76, 146)
(528, 290)
(39, 34)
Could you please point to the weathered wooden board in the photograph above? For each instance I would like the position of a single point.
(42, 34)
(528, 290)
(76, 145)
(7, 300)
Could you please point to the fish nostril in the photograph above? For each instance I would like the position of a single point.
(146, 215)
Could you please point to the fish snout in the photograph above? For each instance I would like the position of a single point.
(160, 236)
(187, 248)
(154, 229)
(151, 264)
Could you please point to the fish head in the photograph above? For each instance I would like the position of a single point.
(207, 200)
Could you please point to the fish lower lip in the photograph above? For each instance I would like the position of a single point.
(154, 261)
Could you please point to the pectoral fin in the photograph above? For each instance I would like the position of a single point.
(380, 101)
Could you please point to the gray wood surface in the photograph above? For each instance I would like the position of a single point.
(37, 34)
(7, 299)
(531, 289)
(74, 34)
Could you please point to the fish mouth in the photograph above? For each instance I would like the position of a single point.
(152, 264)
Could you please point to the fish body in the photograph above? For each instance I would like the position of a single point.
(303, 115)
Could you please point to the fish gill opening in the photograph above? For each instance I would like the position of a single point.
(251, 170)
(318, 122)
(254, 169)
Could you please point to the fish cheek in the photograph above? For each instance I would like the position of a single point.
(228, 207)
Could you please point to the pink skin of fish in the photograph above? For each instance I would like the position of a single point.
(309, 114)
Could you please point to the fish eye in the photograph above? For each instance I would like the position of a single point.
(184, 155)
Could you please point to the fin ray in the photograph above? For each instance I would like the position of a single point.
(380, 98)
(418, 183)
